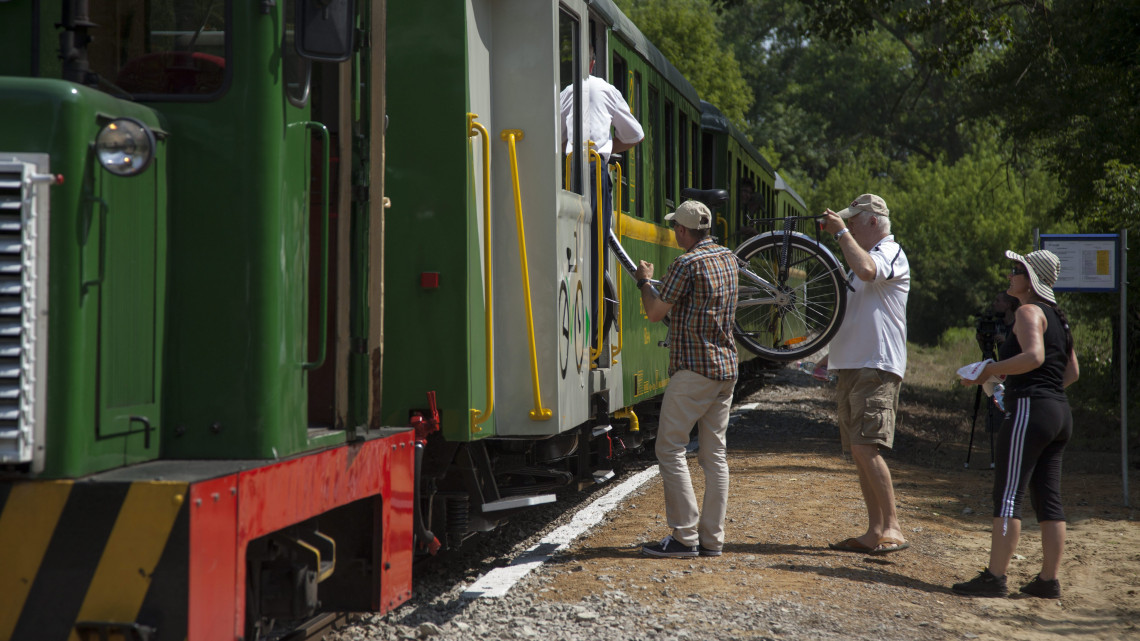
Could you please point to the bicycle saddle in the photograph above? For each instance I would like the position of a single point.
(709, 197)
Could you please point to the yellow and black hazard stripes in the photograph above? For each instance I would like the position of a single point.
(111, 553)
(29, 513)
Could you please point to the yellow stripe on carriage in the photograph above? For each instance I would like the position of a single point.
(638, 229)
(132, 552)
(26, 525)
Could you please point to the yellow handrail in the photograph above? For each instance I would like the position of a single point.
(477, 417)
(566, 171)
(625, 412)
(617, 221)
(720, 219)
(539, 413)
(596, 159)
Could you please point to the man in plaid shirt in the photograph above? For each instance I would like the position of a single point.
(700, 291)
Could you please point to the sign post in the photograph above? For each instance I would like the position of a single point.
(1099, 263)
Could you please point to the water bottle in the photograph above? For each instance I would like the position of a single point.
(809, 367)
(999, 396)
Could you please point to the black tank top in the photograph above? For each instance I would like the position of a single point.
(1047, 380)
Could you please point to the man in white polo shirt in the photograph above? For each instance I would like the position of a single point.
(869, 355)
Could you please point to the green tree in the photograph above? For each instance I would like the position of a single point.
(954, 221)
(687, 32)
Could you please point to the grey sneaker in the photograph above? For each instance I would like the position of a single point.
(985, 585)
(703, 551)
(1043, 589)
(669, 548)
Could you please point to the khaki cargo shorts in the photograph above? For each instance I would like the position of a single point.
(868, 399)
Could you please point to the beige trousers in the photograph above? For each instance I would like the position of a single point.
(692, 398)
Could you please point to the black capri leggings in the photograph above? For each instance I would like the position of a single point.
(1029, 448)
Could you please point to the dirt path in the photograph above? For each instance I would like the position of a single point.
(792, 493)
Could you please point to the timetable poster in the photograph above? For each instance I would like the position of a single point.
(1088, 262)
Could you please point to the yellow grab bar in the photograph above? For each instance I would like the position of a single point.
(617, 221)
(626, 412)
(720, 219)
(596, 158)
(566, 171)
(477, 417)
(539, 413)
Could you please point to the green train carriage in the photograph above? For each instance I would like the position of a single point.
(496, 225)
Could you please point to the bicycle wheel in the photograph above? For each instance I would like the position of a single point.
(784, 319)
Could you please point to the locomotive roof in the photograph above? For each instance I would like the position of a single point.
(627, 31)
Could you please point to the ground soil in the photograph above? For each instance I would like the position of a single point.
(792, 492)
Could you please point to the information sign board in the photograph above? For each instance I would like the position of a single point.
(1089, 262)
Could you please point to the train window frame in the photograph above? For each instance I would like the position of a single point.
(115, 85)
(668, 122)
(683, 154)
(296, 68)
(694, 151)
(570, 68)
(621, 78)
(655, 129)
(639, 178)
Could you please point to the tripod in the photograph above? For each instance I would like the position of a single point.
(987, 352)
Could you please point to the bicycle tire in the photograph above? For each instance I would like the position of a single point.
(814, 297)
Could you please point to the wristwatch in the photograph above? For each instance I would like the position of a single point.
(839, 234)
(641, 282)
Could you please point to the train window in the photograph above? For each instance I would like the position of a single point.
(298, 70)
(160, 49)
(620, 79)
(570, 80)
(708, 158)
(695, 139)
(655, 133)
(639, 156)
(686, 177)
(670, 166)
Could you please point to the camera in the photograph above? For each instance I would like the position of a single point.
(989, 333)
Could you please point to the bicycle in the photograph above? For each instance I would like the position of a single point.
(792, 292)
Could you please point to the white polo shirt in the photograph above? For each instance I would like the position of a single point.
(873, 332)
(604, 107)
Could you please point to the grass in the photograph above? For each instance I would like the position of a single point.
(931, 378)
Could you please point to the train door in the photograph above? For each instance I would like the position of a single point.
(318, 82)
(127, 242)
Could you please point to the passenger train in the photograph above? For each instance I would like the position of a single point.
(293, 292)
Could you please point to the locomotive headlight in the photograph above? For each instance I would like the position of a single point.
(125, 146)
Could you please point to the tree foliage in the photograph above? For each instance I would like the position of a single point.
(954, 221)
(687, 32)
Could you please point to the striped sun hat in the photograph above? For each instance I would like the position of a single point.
(1044, 268)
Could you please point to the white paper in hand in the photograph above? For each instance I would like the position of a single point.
(972, 371)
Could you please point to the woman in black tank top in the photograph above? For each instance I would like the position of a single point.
(1037, 363)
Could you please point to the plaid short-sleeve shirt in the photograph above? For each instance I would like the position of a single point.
(701, 284)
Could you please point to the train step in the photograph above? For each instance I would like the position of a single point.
(516, 502)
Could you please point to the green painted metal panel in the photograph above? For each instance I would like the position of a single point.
(239, 248)
(645, 363)
(107, 285)
(433, 335)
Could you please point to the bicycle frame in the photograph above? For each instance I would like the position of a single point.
(777, 297)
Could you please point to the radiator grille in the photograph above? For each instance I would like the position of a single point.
(24, 185)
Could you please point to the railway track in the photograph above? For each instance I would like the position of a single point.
(318, 628)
